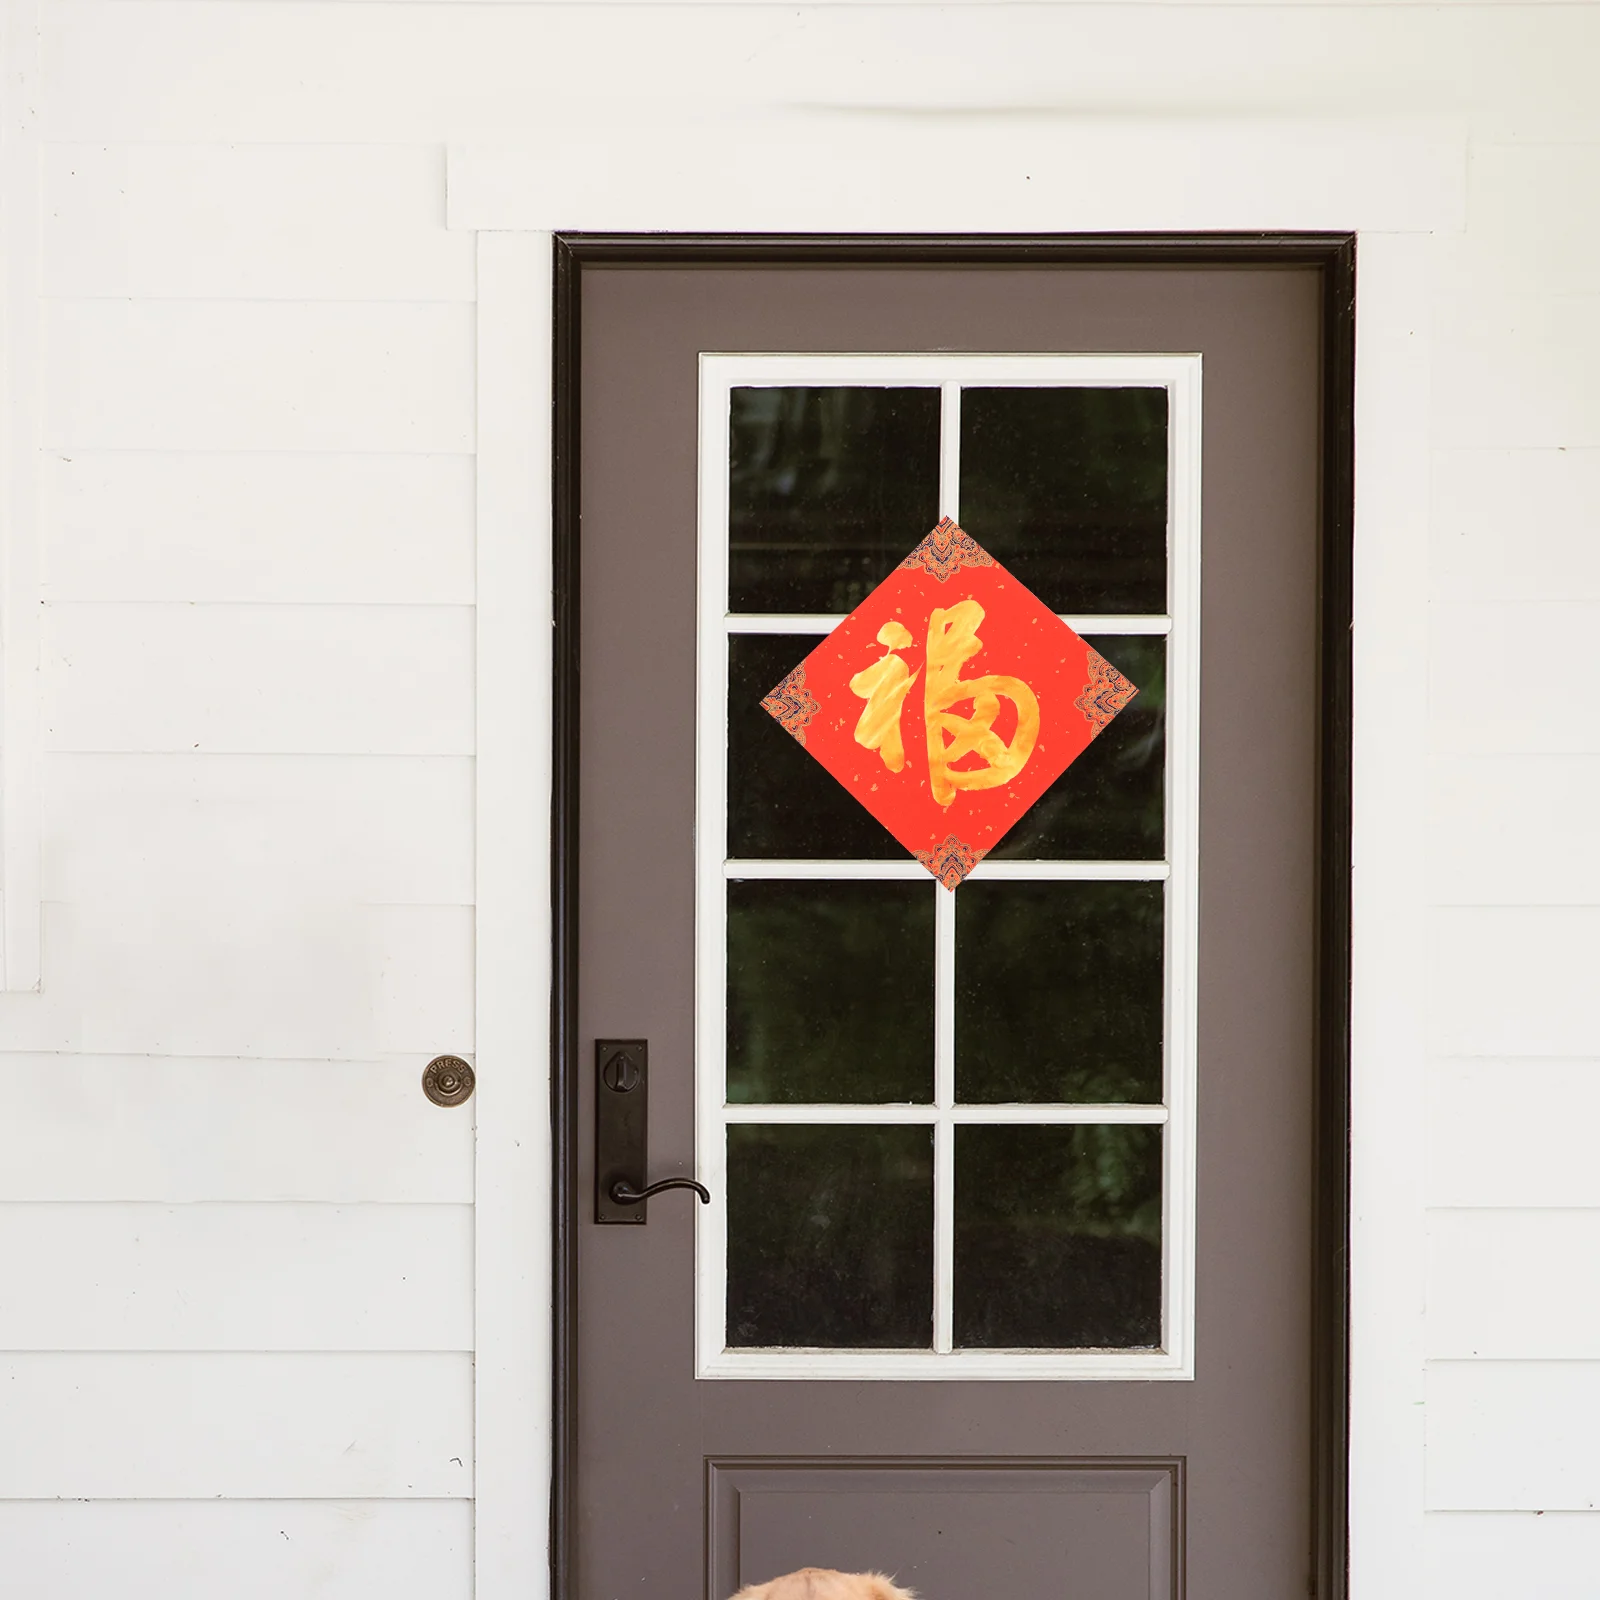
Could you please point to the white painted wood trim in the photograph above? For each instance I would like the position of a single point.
(825, 170)
(1182, 899)
(916, 1366)
(19, 496)
(513, 1289)
(1180, 376)
(1343, 173)
(1392, 957)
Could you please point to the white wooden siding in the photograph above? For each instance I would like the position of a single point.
(1495, 1555)
(254, 527)
(192, 1129)
(1511, 1311)
(1516, 980)
(266, 1549)
(274, 679)
(255, 375)
(311, 978)
(238, 1309)
(190, 1426)
(1514, 1132)
(236, 1277)
(378, 830)
(258, 414)
(1509, 522)
(251, 222)
(1510, 1435)
(1514, 1284)
(1539, 806)
(1483, 699)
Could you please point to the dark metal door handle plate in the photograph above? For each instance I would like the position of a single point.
(622, 1133)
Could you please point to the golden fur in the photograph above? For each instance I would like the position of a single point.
(819, 1583)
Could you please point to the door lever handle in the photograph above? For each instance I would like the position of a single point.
(625, 1194)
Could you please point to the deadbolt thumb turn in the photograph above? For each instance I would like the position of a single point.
(622, 1133)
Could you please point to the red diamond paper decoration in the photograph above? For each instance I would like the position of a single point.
(948, 701)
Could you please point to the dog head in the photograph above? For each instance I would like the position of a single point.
(818, 1583)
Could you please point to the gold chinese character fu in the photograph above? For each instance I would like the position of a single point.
(884, 686)
(952, 642)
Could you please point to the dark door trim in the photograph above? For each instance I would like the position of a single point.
(1334, 255)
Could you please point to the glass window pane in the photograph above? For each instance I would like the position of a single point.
(1058, 1238)
(830, 1237)
(827, 490)
(1068, 488)
(1110, 804)
(830, 992)
(781, 803)
(1059, 992)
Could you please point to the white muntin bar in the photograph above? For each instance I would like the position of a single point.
(944, 1095)
(950, 451)
(1043, 1114)
(1103, 625)
(909, 871)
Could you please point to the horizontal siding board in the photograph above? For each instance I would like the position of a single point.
(236, 1277)
(256, 375)
(269, 222)
(1521, 677)
(1515, 981)
(367, 829)
(1510, 1555)
(1532, 223)
(286, 978)
(1515, 370)
(1513, 1285)
(1513, 1436)
(426, 995)
(278, 527)
(144, 1129)
(367, 680)
(1514, 830)
(1515, 525)
(249, 71)
(235, 1426)
(1513, 1133)
(240, 1549)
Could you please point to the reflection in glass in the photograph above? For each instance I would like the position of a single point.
(1110, 804)
(830, 992)
(830, 1237)
(1058, 1237)
(827, 490)
(1068, 488)
(1059, 992)
(781, 803)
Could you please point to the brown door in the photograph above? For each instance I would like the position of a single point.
(1006, 1285)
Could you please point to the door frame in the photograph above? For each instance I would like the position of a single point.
(1333, 255)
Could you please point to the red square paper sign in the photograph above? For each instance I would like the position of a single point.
(948, 701)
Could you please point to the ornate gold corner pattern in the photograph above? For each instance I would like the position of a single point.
(947, 550)
(1104, 695)
(951, 862)
(793, 704)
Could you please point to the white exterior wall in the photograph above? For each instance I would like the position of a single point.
(237, 1302)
